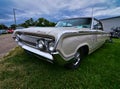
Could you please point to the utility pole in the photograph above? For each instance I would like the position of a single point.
(14, 16)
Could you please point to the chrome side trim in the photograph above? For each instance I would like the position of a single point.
(90, 32)
(36, 51)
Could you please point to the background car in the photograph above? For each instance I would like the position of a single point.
(115, 32)
(3, 31)
(0, 32)
(10, 30)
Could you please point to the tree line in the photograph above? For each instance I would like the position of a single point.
(41, 22)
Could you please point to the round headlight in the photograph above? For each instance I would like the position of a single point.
(51, 46)
(17, 39)
(41, 44)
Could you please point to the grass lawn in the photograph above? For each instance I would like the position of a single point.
(100, 70)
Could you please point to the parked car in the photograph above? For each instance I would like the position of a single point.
(10, 30)
(66, 43)
(115, 32)
(3, 31)
(0, 32)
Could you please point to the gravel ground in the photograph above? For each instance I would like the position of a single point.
(6, 44)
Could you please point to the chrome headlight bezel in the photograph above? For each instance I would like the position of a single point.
(41, 44)
(51, 46)
(17, 37)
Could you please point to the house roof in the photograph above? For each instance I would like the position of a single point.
(110, 18)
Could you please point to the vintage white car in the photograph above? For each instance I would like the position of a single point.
(66, 43)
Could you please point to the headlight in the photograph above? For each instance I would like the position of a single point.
(41, 44)
(51, 46)
(17, 38)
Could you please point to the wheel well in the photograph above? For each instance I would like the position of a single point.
(84, 50)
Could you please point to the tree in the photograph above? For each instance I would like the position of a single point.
(2, 26)
(23, 25)
(29, 22)
(13, 26)
(52, 24)
(42, 22)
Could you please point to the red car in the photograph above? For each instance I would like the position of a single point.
(10, 30)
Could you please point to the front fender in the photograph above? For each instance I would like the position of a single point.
(68, 45)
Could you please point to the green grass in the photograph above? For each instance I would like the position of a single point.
(100, 70)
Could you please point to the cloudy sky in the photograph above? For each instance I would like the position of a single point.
(54, 10)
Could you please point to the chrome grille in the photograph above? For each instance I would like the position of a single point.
(28, 40)
(33, 40)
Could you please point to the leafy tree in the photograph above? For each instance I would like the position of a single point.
(29, 22)
(42, 22)
(13, 26)
(52, 24)
(2, 26)
(23, 25)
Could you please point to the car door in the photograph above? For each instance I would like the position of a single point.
(99, 32)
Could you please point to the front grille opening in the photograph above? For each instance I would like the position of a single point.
(32, 41)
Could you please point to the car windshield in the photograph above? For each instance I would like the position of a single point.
(76, 22)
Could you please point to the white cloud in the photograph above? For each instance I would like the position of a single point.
(109, 12)
(80, 4)
(51, 7)
(43, 6)
(4, 20)
(46, 6)
(58, 9)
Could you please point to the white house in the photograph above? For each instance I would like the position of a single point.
(110, 23)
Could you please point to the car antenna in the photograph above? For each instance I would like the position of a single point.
(92, 18)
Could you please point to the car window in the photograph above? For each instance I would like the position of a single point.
(76, 22)
(97, 25)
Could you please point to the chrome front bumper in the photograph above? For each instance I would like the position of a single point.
(36, 51)
(51, 57)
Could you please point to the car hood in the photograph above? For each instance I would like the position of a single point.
(52, 31)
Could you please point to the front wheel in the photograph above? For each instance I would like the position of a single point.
(76, 61)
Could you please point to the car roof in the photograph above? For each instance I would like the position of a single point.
(77, 18)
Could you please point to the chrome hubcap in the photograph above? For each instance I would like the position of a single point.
(77, 58)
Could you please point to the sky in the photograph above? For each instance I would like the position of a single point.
(55, 10)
